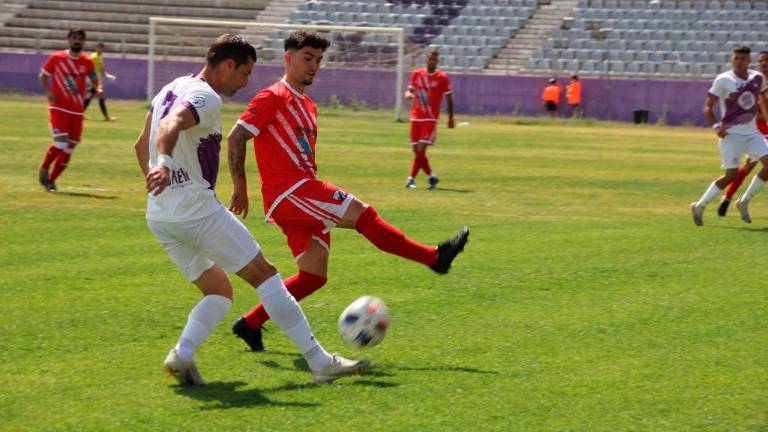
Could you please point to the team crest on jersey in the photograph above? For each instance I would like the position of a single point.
(197, 101)
(746, 100)
(339, 195)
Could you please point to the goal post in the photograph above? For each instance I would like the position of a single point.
(361, 48)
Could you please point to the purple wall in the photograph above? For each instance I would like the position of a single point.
(616, 99)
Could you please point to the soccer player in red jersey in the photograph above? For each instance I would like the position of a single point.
(762, 126)
(67, 71)
(282, 120)
(426, 89)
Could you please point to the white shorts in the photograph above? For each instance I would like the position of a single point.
(194, 246)
(733, 146)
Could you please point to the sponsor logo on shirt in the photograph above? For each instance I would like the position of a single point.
(179, 177)
(197, 101)
(339, 195)
(746, 100)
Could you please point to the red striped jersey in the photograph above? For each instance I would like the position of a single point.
(67, 75)
(284, 124)
(428, 90)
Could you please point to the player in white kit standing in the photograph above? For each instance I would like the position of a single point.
(178, 152)
(740, 91)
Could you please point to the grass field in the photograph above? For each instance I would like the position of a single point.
(586, 299)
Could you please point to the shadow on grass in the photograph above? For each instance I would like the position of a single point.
(444, 369)
(742, 228)
(86, 195)
(225, 395)
(442, 189)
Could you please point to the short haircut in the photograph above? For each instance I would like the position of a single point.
(433, 51)
(299, 39)
(574, 76)
(76, 31)
(230, 46)
(762, 53)
(742, 50)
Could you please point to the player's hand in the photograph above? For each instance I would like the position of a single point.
(451, 124)
(408, 95)
(239, 203)
(721, 132)
(51, 97)
(158, 178)
(99, 93)
(110, 77)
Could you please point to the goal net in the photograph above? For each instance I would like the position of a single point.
(363, 65)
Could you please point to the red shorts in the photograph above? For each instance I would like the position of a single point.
(423, 132)
(309, 213)
(762, 126)
(65, 123)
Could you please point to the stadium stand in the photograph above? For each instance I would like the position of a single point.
(651, 38)
(646, 38)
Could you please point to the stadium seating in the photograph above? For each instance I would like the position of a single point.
(122, 24)
(468, 33)
(659, 38)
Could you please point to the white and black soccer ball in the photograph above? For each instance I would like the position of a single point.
(364, 322)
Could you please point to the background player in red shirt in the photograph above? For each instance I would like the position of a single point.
(426, 89)
(283, 122)
(67, 71)
(762, 126)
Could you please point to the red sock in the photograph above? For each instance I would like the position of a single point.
(50, 156)
(390, 239)
(59, 165)
(416, 164)
(299, 285)
(425, 163)
(734, 186)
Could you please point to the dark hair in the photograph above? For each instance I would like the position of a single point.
(574, 76)
(299, 39)
(762, 53)
(76, 31)
(230, 46)
(742, 50)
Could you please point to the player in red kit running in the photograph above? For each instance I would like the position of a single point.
(282, 120)
(426, 89)
(762, 126)
(67, 71)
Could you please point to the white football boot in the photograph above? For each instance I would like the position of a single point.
(743, 207)
(185, 372)
(698, 214)
(339, 367)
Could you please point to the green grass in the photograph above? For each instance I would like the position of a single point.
(586, 299)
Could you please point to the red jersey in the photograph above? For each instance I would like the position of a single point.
(284, 124)
(762, 125)
(68, 80)
(428, 90)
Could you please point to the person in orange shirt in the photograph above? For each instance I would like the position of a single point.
(573, 96)
(551, 97)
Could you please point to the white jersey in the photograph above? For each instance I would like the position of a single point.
(191, 192)
(738, 100)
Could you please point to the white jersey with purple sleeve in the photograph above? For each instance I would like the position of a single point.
(738, 100)
(191, 193)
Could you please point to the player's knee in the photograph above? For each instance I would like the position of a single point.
(258, 270)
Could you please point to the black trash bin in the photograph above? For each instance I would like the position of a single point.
(641, 116)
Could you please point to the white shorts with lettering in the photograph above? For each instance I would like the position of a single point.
(733, 146)
(194, 246)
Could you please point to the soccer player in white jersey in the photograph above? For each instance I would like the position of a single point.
(178, 151)
(740, 91)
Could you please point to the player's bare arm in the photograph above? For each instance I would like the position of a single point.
(142, 146)
(45, 84)
(450, 110)
(97, 85)
(159, 177)
(710, 116)
(236, 143)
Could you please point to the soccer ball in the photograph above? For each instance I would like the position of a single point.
(364, 322)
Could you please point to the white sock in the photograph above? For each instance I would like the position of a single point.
(202, 320)
(754, 188)
(712, 192)
(286, 313)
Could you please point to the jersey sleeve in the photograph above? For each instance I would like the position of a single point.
(412, 82)
(717, 87)
(205, 106)
(447, 85)
(91, 69)
(260, 112)
(49, 65)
